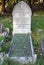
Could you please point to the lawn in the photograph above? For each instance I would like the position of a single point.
(37, 24)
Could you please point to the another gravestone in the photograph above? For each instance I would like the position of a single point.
(42, 46)
(0, 28)
(1, 58)
(22, 48)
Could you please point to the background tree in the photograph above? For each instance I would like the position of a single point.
(3, 5)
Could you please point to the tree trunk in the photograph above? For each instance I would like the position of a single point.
(29, 2)
(3, 6)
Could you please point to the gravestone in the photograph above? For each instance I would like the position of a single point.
(0, 28)
(1, 58)
(42, 46)
(21, 47)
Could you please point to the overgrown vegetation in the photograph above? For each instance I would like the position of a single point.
(1, 38)
(40, 61)
(37, 24)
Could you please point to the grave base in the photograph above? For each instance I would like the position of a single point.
(24, 60)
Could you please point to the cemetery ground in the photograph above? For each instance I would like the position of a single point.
(37, 35)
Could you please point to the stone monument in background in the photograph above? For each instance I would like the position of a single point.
(0, 28)
(21, 47)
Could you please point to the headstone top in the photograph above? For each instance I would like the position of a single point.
(22, 6)
(21, 18)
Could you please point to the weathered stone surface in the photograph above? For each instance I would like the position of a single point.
(1, 58)
(0, 28)
(21, 18)
(42, 46)
(21, 48)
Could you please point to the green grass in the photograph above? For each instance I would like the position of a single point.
(39, 12)
(6, 21)
(37, 23)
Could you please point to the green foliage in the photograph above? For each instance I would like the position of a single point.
(0, 48)
(1, 38)
(7, 21)
(8, 38)
(10, 5)
(36, 42)
(7, 61)
(6, 47)
(37, 23)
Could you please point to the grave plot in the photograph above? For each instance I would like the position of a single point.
(21, 46)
